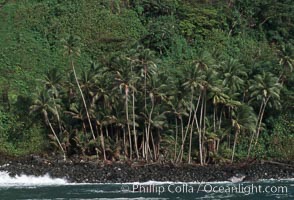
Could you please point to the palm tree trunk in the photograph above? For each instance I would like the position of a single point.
(234, 146)
(158, 145)
(143, 147)
(199, 138)
(149, 151)
(180, 156)
(127, 118)
(102, 142)
(83, 99)
(191, 111)
(149, 123)
(125, 143)
(144, 142)
(214, 117)
(190, 141)
(204, 124)
(200, 143)
(146, 145)
(191, 129)
(220, 119)
(154, 147)
(57, 114)
(145, 88)
(182, 138)
(176, 142)
(260, 121)
(134, 126)
(201, 129)
(253, 134)
(53, 131)
(258, 125)
(107, 132)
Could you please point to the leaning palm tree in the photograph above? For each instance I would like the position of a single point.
(52, 83)
(194, 77)
(243, 118)
(71, 47)
(201, 77)
(94, 94)
(193, 84)
(44, 104)
(264, 87)
(157, 93)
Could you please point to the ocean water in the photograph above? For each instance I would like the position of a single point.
(45, 187)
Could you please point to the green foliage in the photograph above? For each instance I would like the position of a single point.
(198, 20)
(275, 18)
(275, 143)
(169, 73)
(17, 139)
(162, 32)
(155, 8)
(32, 30)
(282, 137)
(101, 30)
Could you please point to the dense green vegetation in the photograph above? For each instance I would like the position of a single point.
(157, 80)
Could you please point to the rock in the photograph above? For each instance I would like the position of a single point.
(236, 179)
(117, 172)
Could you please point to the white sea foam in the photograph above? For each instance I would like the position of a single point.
(28, 181)
(46, 180)
(203, 182)
(277, 180)
(137, 198)
(169, 182)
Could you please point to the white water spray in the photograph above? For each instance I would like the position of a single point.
(28, 181)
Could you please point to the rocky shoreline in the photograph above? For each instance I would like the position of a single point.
(80, 171)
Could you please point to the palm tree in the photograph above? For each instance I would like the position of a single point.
(142, 60)
(52, 83)
(208, 84)
(52, 80)
(94, 92)
(71, 47)
(44, 104)
(195, 76)
(126, 82)
(201, 78)
(178, 108)
(218, 97)
(88, 82)
(133, 63)
(234, 74)
(134, 122)
(157, 94)
(243, 118)
(286, 61)
(264, 87)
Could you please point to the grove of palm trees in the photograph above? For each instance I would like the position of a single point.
(178, 81)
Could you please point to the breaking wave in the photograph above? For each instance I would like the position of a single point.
(27, 180)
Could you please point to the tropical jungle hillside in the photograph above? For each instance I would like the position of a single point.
(182, 81)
